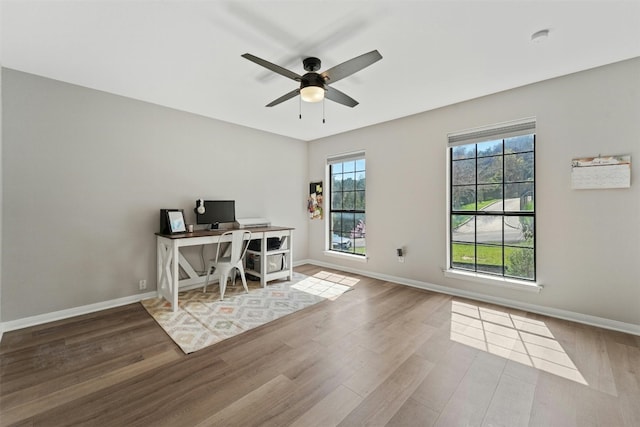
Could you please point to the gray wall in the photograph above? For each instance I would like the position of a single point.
(85, 174)
(588, 241)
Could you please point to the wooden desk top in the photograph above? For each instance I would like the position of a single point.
(217, 232)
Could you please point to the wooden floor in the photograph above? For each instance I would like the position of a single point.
(382, 354)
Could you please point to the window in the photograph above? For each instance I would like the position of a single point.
(347, 230)
(492, 201)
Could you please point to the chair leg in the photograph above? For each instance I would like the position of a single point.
(206, 281)
(244, 279)
(233, 277)
(223, 285)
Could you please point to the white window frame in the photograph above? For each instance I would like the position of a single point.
(477, 135)
(339, 158)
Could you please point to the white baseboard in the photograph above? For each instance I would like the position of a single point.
(548, 311)
(13, 325)
(586, 319)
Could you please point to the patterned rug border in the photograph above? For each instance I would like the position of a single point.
(203, 320)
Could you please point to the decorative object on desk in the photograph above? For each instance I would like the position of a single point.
(601, 172)
(199, 209)
(164, 220)
(314, 204)
(190, 228)
(203, 320)
(176, 223)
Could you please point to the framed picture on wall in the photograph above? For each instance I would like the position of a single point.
(175, 219)
(314, 203)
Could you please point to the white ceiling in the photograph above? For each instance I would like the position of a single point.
(186, 54)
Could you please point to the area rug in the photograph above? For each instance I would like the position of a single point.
(203, 320)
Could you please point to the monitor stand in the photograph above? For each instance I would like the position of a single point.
(215, 226)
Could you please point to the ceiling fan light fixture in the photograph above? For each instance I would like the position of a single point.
(312, 94)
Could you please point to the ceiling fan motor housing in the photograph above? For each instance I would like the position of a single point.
(312, 79)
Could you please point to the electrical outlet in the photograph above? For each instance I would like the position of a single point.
(142, 284)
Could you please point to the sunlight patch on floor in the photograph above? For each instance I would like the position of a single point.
(327, 285)
(513, 337)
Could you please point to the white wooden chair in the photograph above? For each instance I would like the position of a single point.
(228, 264)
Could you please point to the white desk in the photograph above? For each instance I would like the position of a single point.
(170, 260)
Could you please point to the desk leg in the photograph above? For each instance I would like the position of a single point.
(175, 275)
(263, 262)
(167, 254)
(290, 254)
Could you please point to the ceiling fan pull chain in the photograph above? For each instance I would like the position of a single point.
(323, 104)
(300, 108)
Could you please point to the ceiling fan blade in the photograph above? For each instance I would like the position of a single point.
(351, 66)
(273, 67)
(283, 98)
(340, 97)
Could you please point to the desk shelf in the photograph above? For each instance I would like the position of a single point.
(257, 261)
(274, 252)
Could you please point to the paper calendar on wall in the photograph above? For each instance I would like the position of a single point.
(601, 172)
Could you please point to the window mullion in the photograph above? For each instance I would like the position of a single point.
(504, 200)
(475, 218)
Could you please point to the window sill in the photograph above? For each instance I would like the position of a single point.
(343, 255)
(495, 281)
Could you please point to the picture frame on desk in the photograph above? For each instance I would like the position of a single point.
(175, 221)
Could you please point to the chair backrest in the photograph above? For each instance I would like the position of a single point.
(239, 243)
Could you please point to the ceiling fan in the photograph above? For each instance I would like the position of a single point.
(314, 87)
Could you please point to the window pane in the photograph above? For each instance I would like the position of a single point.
(490, 148)
(467, 151)
(519, 263)
(336, 182)
(463, 228)
(463, 256)
(489, 229)
(518, 144)
(348, 223)
(489, 259)
(341, 243)
(360, 201)
(360, 230)
(490, 197)
(349, 200)
(360, 165)
(336, 168)
(358, 235)
(361, 180)
(349, 166)
(518, 231)
(464, 172)
(519, 197)
(464, 198)
(336, 201)
(349, 181)
(518, 167)
(489, 169)
(336, 222)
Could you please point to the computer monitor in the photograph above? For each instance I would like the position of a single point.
(216, 212)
